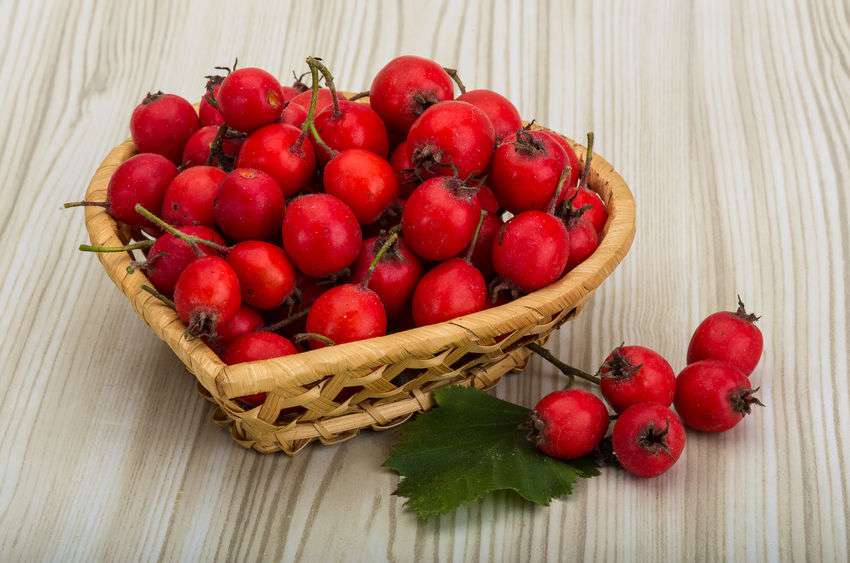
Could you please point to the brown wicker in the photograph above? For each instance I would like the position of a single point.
(332, 393)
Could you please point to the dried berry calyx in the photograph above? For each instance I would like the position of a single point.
(617, 366)
(743, 399)
(654, 439)
(742, 312)
(152, 97)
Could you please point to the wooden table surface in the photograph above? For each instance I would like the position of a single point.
(731, 122)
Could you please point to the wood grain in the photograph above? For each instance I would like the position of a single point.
(731, 123)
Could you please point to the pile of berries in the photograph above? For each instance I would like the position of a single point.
(712, 394)
(283, 217)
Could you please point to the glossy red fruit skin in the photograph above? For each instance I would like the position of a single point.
(482, 254)
(142, 179)
(255, 346)
(320, 234)
(206, 294)
(576, 166)
(324, 100)
(207, 113)
(406, 87)
(531, 251)
(439, 218)
(501, 112)
(597, 214)
(648, 439)
(570, 423)
(266, 277)
(290, 92)
(452, 133)
(249, 205)
(364, 181)
(275, 150)
(488, 200)
(525, 171)
(294, 115)
(162, 124)
(245, 321)
(190, 198)
(729, 337)
(197, 149)
(394, 277)
(634, 374)
(712, 396)
(403, 168)
(451, 289)
(356, 126)
(249, 98)
(346, 313)
(169, 256)
(584, 240)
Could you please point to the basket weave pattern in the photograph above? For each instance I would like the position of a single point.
(332, 393)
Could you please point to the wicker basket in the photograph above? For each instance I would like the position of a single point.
(332, 393)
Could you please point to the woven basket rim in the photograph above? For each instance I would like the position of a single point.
(226, 382)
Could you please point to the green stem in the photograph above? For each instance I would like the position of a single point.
(390, 240)
(565, 173)
(456, 77)
(133, 246)
(70, 204)
(587, 158)
(566, 369)
(358, 96)
(158, 295)
(189, 239)
(477, 232)
(329, 81)
(309, 126)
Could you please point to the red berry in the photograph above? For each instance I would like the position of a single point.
(403, 168)
(596, 214)
(648, 439)
(162, 124)
(583, 241)
(501, 112)
(190, 197)
(266, 277)
(729, 337)
(298, 87)
(208, 114)
(634, 374)
(531, 251)
(452, 137)
(346, 313)
(394, 277)
(324, 100)
(569, 424)
(206, 294)
(169, 256)
(452, 289)
(364, 181)
(572, 160)
(255, 346)
(482, 254)
(526, 170)
(355, 126)
(197, 149)
(245, 321)
(250, 98)
(439, 218)
(141, 179)
(320, 234)
(294, 115)
(713, 396)
(249, 205)
(406, 87)
(281, 152)
(488, 200)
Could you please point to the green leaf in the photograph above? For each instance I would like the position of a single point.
(473, 444)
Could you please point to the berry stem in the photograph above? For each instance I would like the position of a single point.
(302, 336)
(359, 95)
(587, 158)
(70, 204)
(456, 77)
(274, 327)
(477, 232)
(557, 195)
(566, 369)
(390, 240)
(309, 127)
(158, 295)
(191, 240)
(126, 248)
(329, 81)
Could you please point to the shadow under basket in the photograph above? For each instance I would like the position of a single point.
(332, 393)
